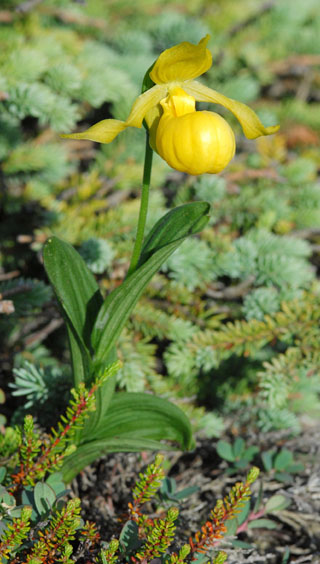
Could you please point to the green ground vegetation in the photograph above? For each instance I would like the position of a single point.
(230, 321)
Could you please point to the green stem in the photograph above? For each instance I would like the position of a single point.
(143, 207)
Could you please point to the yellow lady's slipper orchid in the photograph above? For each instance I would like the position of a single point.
(191, 141)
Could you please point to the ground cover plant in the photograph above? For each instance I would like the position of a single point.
(224, 339)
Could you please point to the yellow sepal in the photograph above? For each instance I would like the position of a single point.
(144, 103)
(104, 131)
(182, 62)
(250, 123)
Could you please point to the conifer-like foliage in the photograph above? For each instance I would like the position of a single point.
(35, 456)
(48, 529)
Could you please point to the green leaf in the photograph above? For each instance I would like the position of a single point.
(6, 498)
(27, 498)
(241, 544)
(186, 492)
(238, 447)
(199, 557)
(250, 453)
(91, 451)
(3, 472)
(177, 224)
(162, 241)
(79, 298)
(139, 415)
(133, 422)
(243, 514)
(262, 524)
(295, 467)
(225, 451)
(232, 470)
(286, 556)
(103, 397)
(44, 497)
(259, 499)
(16, 512)
(168, 488)
(241, 464)
(77, 290)
(276, 503)
(267, 459)
(283, 477)
(55, 481)
(232, 526)
(283, 459)
(129, 537)
(81, 364)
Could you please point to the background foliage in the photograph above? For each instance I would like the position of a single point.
(230, 321)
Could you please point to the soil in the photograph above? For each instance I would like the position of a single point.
(105, 490)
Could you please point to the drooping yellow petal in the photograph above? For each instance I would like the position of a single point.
(104, 131)
(144, 103)
(182, 62)
(250, 123)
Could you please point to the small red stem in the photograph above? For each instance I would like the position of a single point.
(243, 527)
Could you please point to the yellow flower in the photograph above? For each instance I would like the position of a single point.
(189, 140)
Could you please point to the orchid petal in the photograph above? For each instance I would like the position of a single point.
(182, 62)
(144, 103)
(104, 131)
(250, 123)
